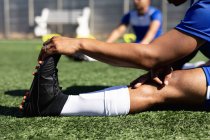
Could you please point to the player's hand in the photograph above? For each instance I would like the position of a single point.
(159, 76)
(58, 44)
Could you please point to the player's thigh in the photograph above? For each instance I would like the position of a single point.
(186, 87)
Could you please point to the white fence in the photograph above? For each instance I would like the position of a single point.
(17, 16)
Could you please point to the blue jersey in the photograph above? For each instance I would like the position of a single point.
(197, 20)
(141, 23)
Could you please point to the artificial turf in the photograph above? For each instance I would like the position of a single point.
(17, 62)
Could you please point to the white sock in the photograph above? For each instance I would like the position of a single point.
(108, 102)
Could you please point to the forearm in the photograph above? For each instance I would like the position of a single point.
(114, 36)
(150, 35)
(118, 54)
(117, 33)
(148, 38)
(163, 51)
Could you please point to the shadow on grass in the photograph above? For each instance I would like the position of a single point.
(75, 90)
(17, 92)
(10, 111)
(181, 107)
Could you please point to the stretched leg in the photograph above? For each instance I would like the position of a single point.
(187, 88)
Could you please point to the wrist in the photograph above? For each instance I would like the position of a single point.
(82, 44)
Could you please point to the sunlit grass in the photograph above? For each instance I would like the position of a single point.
(17, 62)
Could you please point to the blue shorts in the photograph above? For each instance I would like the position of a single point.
(197, 20)
(206, 70)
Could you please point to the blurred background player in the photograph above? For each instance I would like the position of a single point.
(145, 20)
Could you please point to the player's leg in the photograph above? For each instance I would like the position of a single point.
(107, 102)
(47, 99)
(186, 89)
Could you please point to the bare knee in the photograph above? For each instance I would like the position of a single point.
(144, 97)
(152, 94)
(186, 87)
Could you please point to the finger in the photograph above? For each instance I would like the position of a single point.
(166, 82)
(48, 41)
(40, 57)
(168, 76)
(139, 81)
(49, 49)
(40, 62)
(157, 80)
(169, 71)
(21, 107)
(46, 51)
(142, 80)
(137, 85)
(34, 73)
(135, 81)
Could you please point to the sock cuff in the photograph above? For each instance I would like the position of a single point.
(117, 101)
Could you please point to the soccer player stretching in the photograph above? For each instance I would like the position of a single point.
(183, 88)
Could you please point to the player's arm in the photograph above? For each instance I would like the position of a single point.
(120, 30)
(156, 20)
(150, 35)
(117, 33)
(163, 51)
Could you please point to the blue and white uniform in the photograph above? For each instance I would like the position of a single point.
(197, 23)
(197, 20)
(141, 23)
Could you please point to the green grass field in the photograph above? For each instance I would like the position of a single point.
(17, 62)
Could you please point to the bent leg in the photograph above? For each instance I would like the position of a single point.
(187, 88)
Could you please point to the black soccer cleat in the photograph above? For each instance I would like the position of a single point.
(45, 97)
